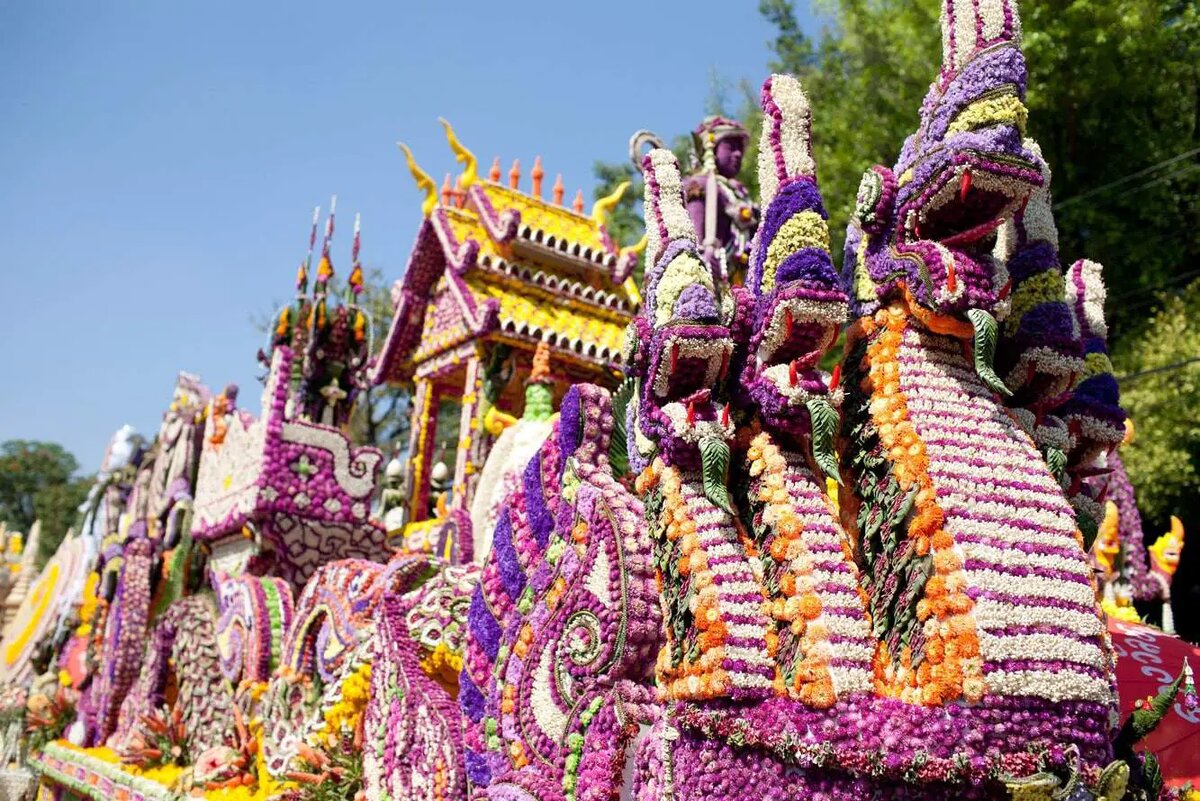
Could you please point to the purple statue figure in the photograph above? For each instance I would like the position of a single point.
(719, 205)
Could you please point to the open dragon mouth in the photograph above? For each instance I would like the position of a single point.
(798, 332)
(691, 358)
(971, 202)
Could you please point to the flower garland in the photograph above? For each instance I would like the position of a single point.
(823, 646)
(951, 667)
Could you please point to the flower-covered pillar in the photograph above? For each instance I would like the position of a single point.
(468, 457)
(420, 453)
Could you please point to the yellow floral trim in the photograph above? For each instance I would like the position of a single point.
(685, 270)
(1114, 609)
(443, 665)
(1096, 364)
(344, 715)
(41, 595)
(1006, 108)
(804, 230)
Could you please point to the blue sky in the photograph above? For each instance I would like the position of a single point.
(159, 162)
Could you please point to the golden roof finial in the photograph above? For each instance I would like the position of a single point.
(558, 190)
(604, 205)
(577, 203)
(424, 182)
(637, 247)
(494, 172)
(446, 190)
(514, 175)
(469, 175)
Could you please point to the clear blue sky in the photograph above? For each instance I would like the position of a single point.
(159, 162)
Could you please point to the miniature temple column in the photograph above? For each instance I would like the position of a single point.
(465, 467)
(420, 448)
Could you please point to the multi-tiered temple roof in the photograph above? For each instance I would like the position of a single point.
(492, 261)
(495, 271)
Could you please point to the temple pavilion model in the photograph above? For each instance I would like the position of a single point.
(495, 271)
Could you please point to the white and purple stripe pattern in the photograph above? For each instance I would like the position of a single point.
(1040, 633)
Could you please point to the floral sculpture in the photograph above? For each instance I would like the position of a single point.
(321, 648)
(986, 608)
(518, 544)
(411, 730)
(124, 642)
(291, 479)
(516, 443)
(254, 614)
(1134, 563)
(184, 644)
(584, 625)
(48, 600)
(315, 698)
(1164, 559)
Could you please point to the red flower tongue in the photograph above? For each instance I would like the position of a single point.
(971, 235)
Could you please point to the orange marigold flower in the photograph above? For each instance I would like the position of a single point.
(810, 607)
(942, 540)
(946, 561)
(779, 547)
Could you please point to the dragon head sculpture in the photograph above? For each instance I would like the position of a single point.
(924, 230)
(681, 346)
(798, 304)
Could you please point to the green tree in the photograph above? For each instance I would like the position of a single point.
(381, 416)
(57, 506)
(1114, 96)
(1159, 371)
(35, 482)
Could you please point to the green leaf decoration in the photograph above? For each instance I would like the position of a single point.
(1151, 775)
(985, 349)
(618, 444)
(1088, 527)
(1056, 460)
(714, 461)
(173, 589)
(1143, 721)
(824, 420)
(1113, 782)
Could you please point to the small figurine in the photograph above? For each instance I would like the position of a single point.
(1164, 559)
(393, 506)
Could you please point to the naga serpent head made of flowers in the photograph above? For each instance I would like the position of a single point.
(680, 346)
(799, 305)
(925, 229)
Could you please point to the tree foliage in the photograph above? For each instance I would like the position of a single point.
(381, 415)
(57, 506)
(1160, 388)
(36, 483)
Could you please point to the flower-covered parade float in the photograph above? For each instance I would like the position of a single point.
(666, 554)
